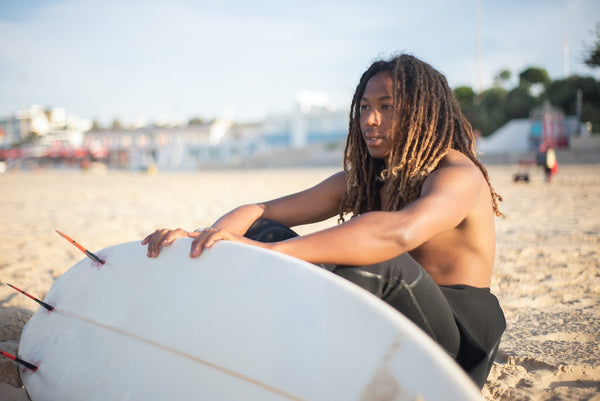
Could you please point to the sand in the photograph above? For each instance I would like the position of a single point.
(547, 274)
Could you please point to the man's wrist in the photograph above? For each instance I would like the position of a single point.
(199, 230)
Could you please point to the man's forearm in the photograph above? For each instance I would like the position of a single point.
(361, 241)
(239, 220)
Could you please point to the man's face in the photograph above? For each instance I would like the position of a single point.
(376, 111)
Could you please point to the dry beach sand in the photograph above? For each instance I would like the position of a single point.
(547, 273)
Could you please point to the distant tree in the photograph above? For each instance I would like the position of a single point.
(502, 78)
(535, 80)
(470, 108)
(96, 125)
(475, 114)
(493, 103)
(465, 95)
(485, 111)
(493, 98)
(563, 93)
(593, 57)
(196, 121)
(534, 75)
(519, 103)
(505, 75)
(116, 124)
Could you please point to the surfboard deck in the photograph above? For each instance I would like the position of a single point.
(238, 323)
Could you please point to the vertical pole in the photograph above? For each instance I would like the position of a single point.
(478, 46)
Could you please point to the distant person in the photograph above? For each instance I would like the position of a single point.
(547, 159)
(421, 234)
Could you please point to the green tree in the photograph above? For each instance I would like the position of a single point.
(116, 124)
(534, 75)
(472, 108)
(563, 93)
(485, 111)
(493, 98)
(519, 103)
(196, 121)
(492, 102)
(502, 78)
(593, 57)
(465, 95)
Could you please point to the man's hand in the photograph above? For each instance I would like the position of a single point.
(209, 236)
(162, 237)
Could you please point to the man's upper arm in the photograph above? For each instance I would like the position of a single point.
(456, 187)
(447, 196)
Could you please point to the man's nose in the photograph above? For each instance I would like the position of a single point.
(373, 117)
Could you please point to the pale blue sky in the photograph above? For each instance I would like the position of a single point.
(106, 59)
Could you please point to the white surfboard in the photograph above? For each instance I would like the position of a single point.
(238, 323)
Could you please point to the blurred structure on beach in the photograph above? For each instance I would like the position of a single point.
(198, 144)
(547, 127)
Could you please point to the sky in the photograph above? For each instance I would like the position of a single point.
(154, 60)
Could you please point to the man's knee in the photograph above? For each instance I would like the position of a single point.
(424, 304)
(266, 230)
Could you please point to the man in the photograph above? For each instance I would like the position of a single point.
(421, 234)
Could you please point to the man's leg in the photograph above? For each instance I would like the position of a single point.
(405, 285)
(265, 230)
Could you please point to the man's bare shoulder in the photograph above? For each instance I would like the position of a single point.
(335, 182)
(454, 158)
(455, 167)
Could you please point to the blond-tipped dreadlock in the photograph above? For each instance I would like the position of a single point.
(427, 123)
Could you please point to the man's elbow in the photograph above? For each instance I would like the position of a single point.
(405, 240)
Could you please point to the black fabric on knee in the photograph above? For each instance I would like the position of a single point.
(265, 230)
(381, 278)
(424, 304)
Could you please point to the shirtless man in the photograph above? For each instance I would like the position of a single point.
(421, 234)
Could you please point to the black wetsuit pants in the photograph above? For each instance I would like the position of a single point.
(453, 316)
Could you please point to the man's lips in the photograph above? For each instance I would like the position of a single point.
(374, 138)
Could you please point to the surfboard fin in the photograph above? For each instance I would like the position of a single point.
(19, 361)
(82, 249)
(44, 304)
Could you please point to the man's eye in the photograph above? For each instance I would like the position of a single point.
(363, 107)
(387, 107)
